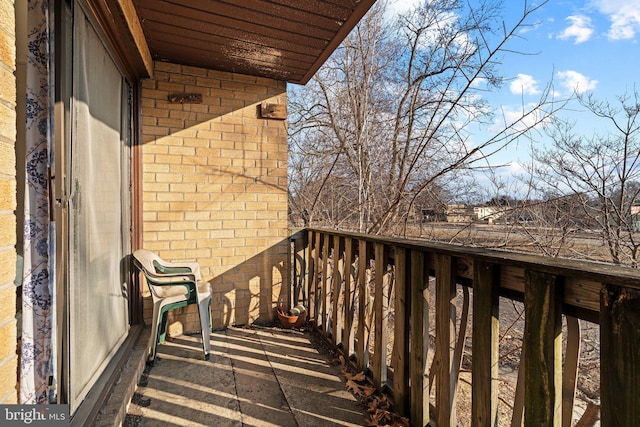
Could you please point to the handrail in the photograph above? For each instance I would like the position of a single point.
(338, 275)
(597, 271)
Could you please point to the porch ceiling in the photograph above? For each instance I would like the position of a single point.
(282, 39)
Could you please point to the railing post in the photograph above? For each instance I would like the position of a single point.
(620, 356)
(543, 350)
(445, 335)
(419, 342)
(380, 306)
(486, 326)
(401, 353)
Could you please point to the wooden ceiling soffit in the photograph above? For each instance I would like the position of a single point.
(353, 19)
(119, 21)
(282, 39)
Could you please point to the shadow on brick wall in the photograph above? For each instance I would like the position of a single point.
(245, 294)
(249, 292)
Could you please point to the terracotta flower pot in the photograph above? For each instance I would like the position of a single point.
(291, 321)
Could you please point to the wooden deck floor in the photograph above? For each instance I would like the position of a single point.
(255, 377)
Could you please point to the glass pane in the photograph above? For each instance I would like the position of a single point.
(99, 312)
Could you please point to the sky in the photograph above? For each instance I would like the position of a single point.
(586, 46)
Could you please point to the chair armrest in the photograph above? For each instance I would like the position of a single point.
(171, 277)
(188, 282)
(170, 280)
(178, 268)
(171, 269)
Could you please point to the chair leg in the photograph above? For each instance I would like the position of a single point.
(154, 332)
(205, 321)
(162, 326)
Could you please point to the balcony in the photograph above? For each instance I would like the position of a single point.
(425, 322)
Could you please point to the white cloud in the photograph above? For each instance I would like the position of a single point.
(519, 118)
(524, 84)
(574, 81)
(395, 7)
(624, 16)
(479, 82)
(515, 168)
(580, 29)
(527, 28)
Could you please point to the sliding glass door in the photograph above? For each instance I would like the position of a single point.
(99, 207)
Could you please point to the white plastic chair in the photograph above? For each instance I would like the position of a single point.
(174, 285)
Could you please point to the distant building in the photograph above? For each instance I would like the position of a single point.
(487, 213)
(459, 213)
(635, 218)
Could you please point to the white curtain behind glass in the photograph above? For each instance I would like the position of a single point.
(99, 320)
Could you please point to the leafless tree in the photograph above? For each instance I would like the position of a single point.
(389, 114)
(600, 172)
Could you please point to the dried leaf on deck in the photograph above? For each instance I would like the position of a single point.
(360, 376)
(353, 386)
(367, 390)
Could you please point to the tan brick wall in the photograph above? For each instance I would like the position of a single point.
(8, 358)
(215, 188)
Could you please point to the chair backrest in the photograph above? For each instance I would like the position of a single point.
(146, 258)
(148, 262)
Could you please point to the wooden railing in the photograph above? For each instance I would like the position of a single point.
(364, 292)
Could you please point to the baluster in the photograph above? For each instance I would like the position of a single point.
(445, 334)
(380, 306)
(543, 350)
(336, 282)
(462, 336)
(361, 350)
(517, 418)
(325, 284)
(308, 268)
(316, 271)
(486, 327)
(347, 336)
(419, 340)
(569, 376)
(590, 416)
(401, 333)
(299, 264)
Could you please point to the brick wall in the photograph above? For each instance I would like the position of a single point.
(8, 358)
(215, 190)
